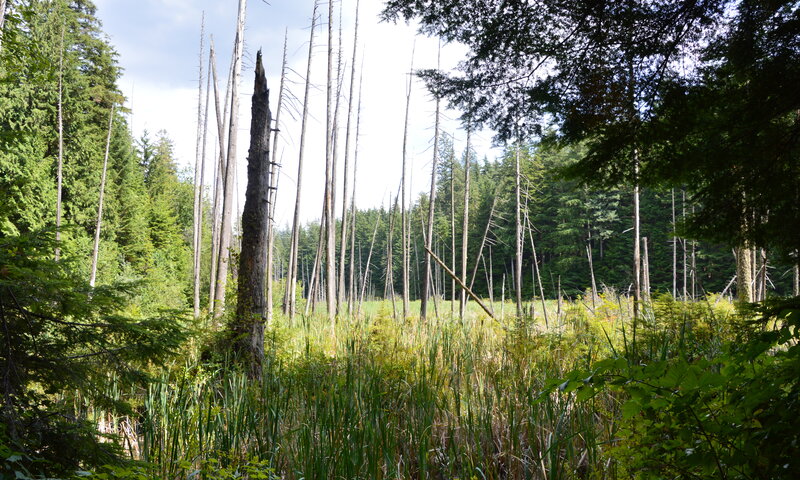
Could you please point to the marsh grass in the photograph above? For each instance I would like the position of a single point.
(379, 398)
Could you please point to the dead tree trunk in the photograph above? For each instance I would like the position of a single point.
(744, 273)
(330, 237)
(366, 270)
(219, 174)
(452, 234)
(273, 186)
(465, 225)
(646, 271)
(197, 173)
(96, 248)
(390, 260)
(251, 314)
(426, 275)
(343, 240)
(230, 172)
(518, 239)
(289, 306)
(637, 267)
(59, 171)
(674, 250)
(403, 221)
(489, 223)
(2, 19)
(352, 290)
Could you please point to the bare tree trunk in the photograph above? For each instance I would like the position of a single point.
(483, 242)
(403, 221)
(744, 273)
(352, 290)
(330, 238)
(452, 234)
(591, 273)
(390, 260)
(219, 176)
(536, 268)
(96, 249)
(366, 270)
(637, 267)
(273, 185)
(683, 245)
(461, 284)
(465, 224)
(197, 173)
(674, 250)
(251, 314)
(518, 239)
(646, 271)
(230, 171)
(343, 240)
(426, 276)
(796, 280)
(59, 172)
(289, 306)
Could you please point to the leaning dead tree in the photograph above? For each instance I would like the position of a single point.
(289, 306)
(96, 248)
(251, 313)
(226, 231)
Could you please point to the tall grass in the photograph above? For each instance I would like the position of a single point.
(380, 399)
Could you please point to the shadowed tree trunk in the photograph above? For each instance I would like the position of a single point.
(248, 328)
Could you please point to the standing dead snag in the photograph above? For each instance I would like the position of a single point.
(426, 278)
(251, 314)
(96, 249)
(226, 231)
(197, 174)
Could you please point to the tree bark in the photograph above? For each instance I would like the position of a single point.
(744, 273)
(197, 174)
(251, 315)
(230, 170)
(96, 248)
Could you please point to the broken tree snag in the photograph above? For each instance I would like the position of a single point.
(248, 327)
(460, 283)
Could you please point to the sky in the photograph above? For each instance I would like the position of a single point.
(158, 46)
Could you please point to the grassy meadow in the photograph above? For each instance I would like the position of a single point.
(384, 398)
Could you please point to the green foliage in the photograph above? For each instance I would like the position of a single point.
(63, 343)
(693, 413)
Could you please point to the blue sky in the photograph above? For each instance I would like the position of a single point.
(158, 42)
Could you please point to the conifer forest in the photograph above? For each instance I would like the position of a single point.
(589, 270)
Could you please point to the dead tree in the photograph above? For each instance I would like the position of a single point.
(366, 270)
(226, 231)
(403, 219)
(96, 248)
(343, 238)
(353, 200)
(289, 306)
(465, 225)
(273, 185)
(251, 314)
(59, 170)
(518, 233)
(197, 173)
(426, 275)
(330, 237)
